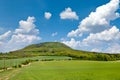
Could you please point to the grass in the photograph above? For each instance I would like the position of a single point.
(14, 62)
(66, 70)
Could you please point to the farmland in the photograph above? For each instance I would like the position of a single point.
(14, 62)
(56, 61)
(65, 70)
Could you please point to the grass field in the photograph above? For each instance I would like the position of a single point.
(13, 62)
(65, 70)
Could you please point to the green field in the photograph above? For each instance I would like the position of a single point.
(65, 70)
(14, 62)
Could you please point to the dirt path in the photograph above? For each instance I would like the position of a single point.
(11, 74)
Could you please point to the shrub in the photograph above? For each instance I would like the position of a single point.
(37, 60)
(25, 62)
(14, 66)
(19, 66)
(47, 59)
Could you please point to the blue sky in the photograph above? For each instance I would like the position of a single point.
(24, 22)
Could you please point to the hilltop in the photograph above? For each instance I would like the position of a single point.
(47, 46)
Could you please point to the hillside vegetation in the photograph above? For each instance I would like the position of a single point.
(59, 49)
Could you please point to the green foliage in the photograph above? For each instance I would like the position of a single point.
(26, 62)
(47, 59)
(15, 66)
(19, 65)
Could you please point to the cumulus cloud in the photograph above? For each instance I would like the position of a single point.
(54, 34)
(69, 14)
(48, 15)
(106, 41)
(113, 48)
(21, 40)
(72, 43)
(24, 35)
(99, 20)
(103, 40)
(5, 35)
(96, 50)
(27, 27)
(3, 39)
(100, 35)
(112, 34)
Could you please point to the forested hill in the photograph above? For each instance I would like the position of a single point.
(60, 49)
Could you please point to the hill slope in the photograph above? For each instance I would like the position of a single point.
(60, 49)
(46, 46)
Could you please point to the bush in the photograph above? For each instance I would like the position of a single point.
(25, 62)
(37, 60)
(19, 66)
(47, 59)
(14, 66)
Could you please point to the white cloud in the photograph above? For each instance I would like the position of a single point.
(47, 15)
(5, 36)
(68, 14)
(77, 44)
(72, 43)
(96, 50)
(54, 34)
(105, 41)
(99, 36)
(99, 20)
(26, 34)
(112, 34)
(23, 38)
(27, 27)
(113, 48)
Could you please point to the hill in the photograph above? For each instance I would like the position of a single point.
(60, 49)
(47, 46)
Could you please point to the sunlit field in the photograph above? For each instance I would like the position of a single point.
(65, 70)
(14, 62)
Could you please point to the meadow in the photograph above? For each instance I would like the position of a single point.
(14, 62)
(65, 70)
(56, 61)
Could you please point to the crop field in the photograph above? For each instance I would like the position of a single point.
(65, 70)
(13, 62)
